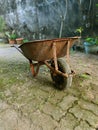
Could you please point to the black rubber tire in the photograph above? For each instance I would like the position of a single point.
(61, 82)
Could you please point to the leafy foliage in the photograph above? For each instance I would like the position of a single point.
(11, 35)
(92, 40)
(2, 24)
(80, 29)
(97, 5)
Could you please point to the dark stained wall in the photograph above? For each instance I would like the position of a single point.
(40, 19)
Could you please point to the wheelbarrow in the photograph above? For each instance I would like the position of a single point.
(53, 53)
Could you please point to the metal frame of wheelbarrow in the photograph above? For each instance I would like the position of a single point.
(54, 68)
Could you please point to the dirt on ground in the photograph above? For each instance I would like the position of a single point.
(28, 103)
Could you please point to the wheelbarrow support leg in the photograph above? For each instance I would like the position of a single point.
(55, 56)
(68, 49)
(32, 67)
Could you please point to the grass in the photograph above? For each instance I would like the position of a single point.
(13, 78)
(18, 86)
(12, 73)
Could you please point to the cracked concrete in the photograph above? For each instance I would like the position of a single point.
(33, 104)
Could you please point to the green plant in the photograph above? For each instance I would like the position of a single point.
(92, 40)
(96, 40)
(11, 35)
(2, 24)
(25, 40)
(96, 5)
(85, 76)
(79, 30)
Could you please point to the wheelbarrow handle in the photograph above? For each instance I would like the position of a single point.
(17, 47)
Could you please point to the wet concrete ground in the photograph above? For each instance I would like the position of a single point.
(37, 105)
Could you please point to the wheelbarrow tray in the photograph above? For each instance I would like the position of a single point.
(49, 52)
(42, 50)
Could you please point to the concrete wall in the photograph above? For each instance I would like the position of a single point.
(40, 19)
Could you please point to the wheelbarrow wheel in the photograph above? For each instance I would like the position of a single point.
(61, 82)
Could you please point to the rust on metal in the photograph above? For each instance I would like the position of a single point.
(55, 71)
(41, 50)
(68, 49)
(45, 50)
(55, 56)
(33, 66)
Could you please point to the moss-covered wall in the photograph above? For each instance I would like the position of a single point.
(40, 19)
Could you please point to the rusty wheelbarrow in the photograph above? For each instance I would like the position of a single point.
(50, 53)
